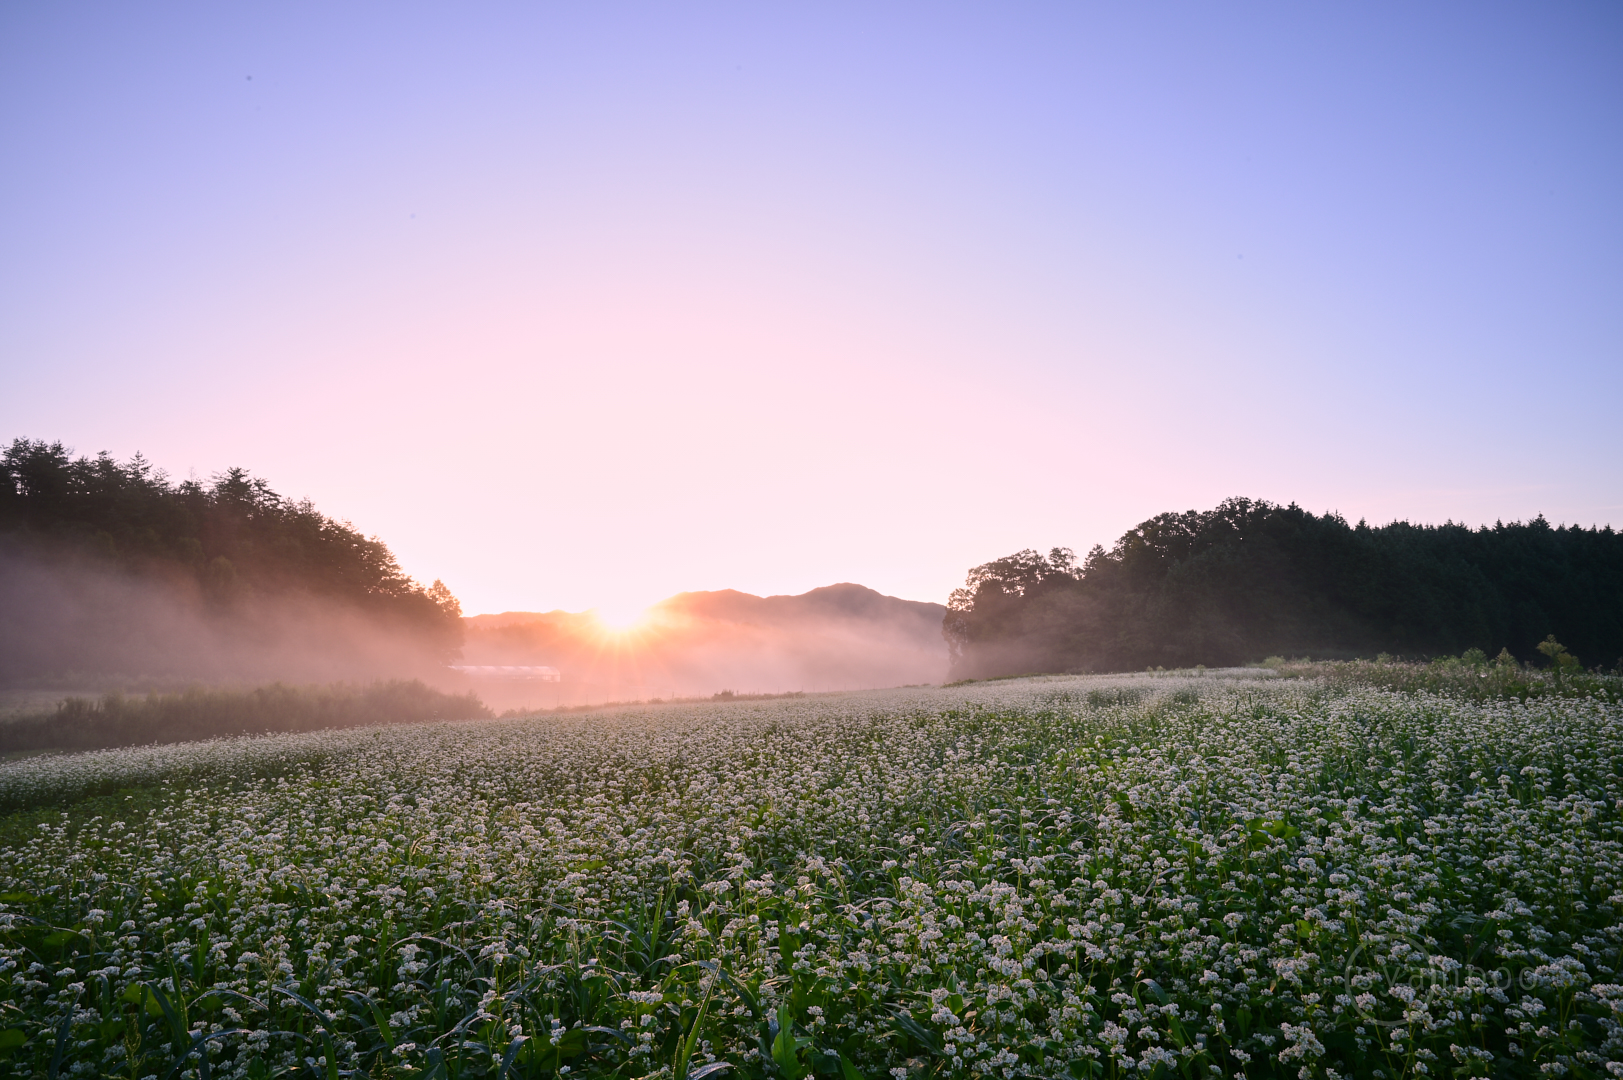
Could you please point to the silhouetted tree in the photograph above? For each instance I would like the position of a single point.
(1249, 579)
(233, 536)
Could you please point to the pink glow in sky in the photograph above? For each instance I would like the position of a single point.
(584, 306)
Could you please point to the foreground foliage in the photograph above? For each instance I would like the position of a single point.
(1058, 877)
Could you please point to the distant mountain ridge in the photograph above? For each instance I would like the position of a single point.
(843, 636)
(843, 599)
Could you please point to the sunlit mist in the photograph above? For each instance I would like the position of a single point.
(622, 617)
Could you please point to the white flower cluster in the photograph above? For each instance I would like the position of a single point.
(1153, 875)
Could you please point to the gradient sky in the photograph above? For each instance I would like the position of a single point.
(586, 304)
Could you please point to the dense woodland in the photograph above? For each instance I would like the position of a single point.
(230, 546)
(1251, 579)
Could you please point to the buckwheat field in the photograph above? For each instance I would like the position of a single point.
(1148, 876)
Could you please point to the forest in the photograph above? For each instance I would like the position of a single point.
(112, 565)
(1251, 579)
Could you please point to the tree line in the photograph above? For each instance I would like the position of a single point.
(226, 541)
(1251, 579)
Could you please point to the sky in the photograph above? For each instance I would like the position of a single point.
(584, 305)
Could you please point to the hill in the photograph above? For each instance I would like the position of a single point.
(841, 636)
(1250, 579)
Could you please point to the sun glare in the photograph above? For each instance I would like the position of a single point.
(619, 617)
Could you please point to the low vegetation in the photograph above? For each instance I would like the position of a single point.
(204, 713)
(1220, 874)
(1472, 675)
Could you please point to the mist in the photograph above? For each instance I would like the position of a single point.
(77, 624)
(842, 637)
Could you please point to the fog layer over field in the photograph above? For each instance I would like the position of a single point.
(835, 638)
(73, 623)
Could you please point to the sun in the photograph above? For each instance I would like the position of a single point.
(620, 617)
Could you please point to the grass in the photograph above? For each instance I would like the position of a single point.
(1146, 876)
(724, 695)
(202, 713)
(1472, 677)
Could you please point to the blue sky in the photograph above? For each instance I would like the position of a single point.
(585, 305)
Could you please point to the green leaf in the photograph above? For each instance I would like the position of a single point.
(384, 1027)
(920, 1034)
(513, 1049)
(709, 1069)
(62, 1031)
(786, 1048)
(177, 1019)
(1082, 1068)
(684, 1047)
(11, 1038)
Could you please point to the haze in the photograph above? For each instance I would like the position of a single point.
(74, 625)
(840, 637)
(586, 306)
